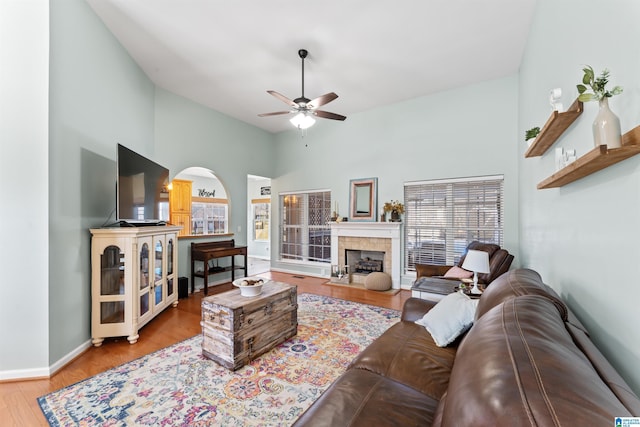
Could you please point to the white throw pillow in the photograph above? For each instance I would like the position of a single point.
(449, 318)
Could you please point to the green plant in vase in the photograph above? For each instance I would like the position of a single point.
(606, 126)
(531, 134)
(396, 208)
(598, 86)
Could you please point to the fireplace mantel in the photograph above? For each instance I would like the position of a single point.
(373, 230)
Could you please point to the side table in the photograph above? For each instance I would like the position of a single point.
(433, 288)
(436, 288)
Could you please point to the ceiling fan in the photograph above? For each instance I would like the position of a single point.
(305, 108)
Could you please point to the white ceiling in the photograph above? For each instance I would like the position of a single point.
(227, 54)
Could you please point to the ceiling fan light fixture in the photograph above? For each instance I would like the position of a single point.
(305, 108)
(302, 120)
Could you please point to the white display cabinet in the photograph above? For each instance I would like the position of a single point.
(133, 278)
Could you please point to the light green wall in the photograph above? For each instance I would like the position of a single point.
(471, 131)
(582, 237)
(188, 134)
(98, 97)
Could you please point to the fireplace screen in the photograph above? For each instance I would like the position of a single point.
(364, 262)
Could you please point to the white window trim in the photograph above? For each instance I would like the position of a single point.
(305, 243)
(449, 242)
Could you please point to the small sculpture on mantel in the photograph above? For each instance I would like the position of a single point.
(335, 217)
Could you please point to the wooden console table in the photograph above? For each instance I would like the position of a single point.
(213, 250)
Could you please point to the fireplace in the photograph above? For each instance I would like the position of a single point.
(378, 241)
(364, 262)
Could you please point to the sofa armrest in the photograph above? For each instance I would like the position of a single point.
(430, 270)
(415, 308)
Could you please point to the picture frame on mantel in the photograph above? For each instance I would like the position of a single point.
(363, 199)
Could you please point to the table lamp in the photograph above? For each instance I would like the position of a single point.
(478, 262)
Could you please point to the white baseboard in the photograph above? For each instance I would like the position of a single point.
(302, 273)
(70, 356)
(44, 372)
(24, 374)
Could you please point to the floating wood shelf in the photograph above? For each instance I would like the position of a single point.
(555, 126)
(595, 160)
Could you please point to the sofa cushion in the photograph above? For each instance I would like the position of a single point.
(414, 308)
(608, 374)
(518, 366)
(517, 283)
(456, 272)
(450, 318)
(360, 398)
(407, 353)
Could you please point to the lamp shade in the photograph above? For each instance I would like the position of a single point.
(302, 121)
(476, 261)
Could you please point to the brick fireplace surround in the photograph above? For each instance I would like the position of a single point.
(368, 236)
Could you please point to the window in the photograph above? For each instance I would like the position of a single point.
(442, 217)
(260, 208)
(208, 218)
(305, 234)
(198, 202)
(139, 212)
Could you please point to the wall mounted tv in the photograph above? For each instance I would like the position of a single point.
(141, 190)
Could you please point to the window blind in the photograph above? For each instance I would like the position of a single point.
(443, 216)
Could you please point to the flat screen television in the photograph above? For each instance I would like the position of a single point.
(141, 190)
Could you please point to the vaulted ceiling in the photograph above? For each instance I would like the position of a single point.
(227, 54)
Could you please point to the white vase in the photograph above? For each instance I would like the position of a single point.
(606, 127)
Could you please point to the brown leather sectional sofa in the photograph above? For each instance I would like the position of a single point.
(526, 361)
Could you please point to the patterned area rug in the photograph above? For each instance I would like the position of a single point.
(361, 287)
(177, 386)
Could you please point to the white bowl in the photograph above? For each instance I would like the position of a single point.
(247, 290)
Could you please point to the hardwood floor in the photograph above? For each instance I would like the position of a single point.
(18, 404)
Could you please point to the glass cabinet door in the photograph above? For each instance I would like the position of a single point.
(170, 253)
(143, 291)
(157, 268)
(112, 283)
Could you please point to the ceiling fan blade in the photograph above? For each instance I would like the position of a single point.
(277, 113)
(321, 100)
(328, 115)
(282, 98)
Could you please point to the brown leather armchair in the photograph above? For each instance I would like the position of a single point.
(499, 262)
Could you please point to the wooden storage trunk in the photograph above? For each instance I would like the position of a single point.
(237, 329)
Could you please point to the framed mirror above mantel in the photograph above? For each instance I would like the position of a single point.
(363, 199)
(198, 202)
